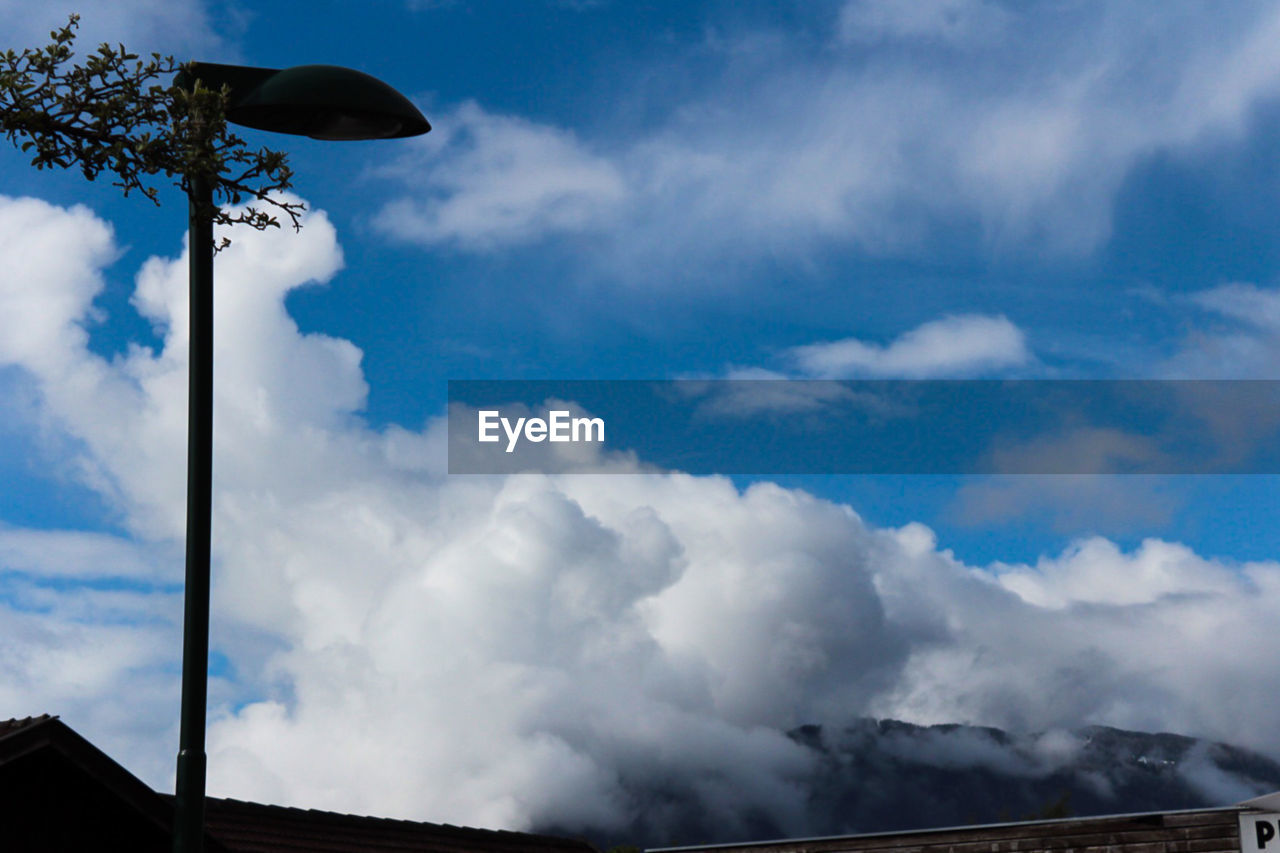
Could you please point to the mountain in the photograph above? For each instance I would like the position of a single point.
(884, 775)
(887, 775)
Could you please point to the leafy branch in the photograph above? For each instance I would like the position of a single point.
(112, 114)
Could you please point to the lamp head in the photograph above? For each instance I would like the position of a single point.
(319, 101)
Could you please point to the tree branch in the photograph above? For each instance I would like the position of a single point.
(113, 114)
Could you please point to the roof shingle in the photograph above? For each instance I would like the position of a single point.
(256, 828)
(8, 727)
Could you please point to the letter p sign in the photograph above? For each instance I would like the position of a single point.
(1258, 833)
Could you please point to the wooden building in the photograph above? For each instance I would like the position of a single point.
(1219, 830)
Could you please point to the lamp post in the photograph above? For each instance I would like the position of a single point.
(323, 102)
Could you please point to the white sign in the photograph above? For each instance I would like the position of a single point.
(1260, 833)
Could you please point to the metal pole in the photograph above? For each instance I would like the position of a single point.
(188, 829)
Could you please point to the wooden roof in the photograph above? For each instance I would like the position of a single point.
(256, 828)
(59, 792)
(1196, 831)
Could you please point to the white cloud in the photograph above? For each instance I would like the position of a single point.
(952, 346)
(1244, 302)
(1136, 662)
(143, 26)
(871, 143)
(506, 651)
(102, 659)
(480, 180)
(929, 20)
(1096, 571)
(1243, 343)
(76, 554)
(956, 346)
(64, 250)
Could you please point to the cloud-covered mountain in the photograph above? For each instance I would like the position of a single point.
(619, 656)
(884, 775)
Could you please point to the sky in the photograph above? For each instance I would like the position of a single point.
(943, 189)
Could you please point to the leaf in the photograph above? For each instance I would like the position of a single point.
(117, 114)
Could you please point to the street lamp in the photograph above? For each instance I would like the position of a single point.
(323, 102)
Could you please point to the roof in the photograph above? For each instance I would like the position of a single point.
(60, 792)
(1212, 830)
(256, 828)
(10, 726)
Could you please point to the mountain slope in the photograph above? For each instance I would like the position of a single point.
(882, 775)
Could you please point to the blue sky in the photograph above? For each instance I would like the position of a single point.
(859, 189)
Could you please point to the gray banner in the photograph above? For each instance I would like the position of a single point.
(866, 427)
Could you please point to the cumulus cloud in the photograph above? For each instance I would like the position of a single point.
(529, 650)
(1023, 132)
(1019, 664)
(1096, 571)
(65, 250)
(952, 346)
